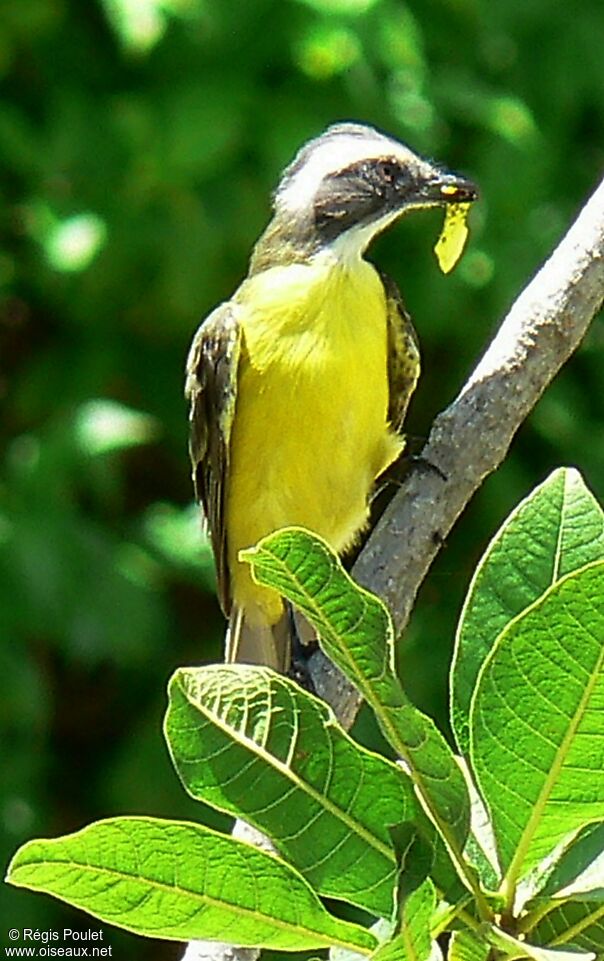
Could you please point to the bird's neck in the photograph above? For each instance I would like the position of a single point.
(294, 242)
(283, 244)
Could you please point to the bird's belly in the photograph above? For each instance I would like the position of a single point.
(310, 436)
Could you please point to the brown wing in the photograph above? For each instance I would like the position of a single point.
(211, 389)
(403, 355)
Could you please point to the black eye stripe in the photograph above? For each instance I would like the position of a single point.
(359, 193)
(388, 169)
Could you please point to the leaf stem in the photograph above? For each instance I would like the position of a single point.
(457, 912)
(532, 918)
(463, 869)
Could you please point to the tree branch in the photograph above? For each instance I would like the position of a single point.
(471, 437)
(467, 442)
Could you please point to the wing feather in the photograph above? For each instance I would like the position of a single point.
(211, 389)
(403, 355)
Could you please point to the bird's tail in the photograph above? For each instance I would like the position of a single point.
(252, 640)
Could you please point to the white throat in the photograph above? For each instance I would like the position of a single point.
(352, 244)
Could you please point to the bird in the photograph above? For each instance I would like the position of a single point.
(298, 385)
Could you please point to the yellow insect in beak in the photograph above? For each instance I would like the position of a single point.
(453, 236)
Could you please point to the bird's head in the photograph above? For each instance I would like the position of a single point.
(347, 185)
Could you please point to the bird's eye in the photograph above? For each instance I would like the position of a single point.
(388, 170)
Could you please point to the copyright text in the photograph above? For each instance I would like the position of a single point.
(54, 943)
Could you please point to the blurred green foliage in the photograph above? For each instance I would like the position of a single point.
(139, 142)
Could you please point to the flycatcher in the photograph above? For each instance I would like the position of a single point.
(299, 384)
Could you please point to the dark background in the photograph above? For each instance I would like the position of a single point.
(138, 146)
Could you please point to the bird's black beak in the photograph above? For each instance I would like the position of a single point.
(446, 188)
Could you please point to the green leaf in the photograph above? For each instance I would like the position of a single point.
(410, 939)
(341, 7)
(356, 632)
(413, 940)
(467, 945)
(175, 534)
(557, 529)
(382, 929)
(71, 244)
(576, 923)
(481, 849)
(252, 743)
(516, 948)
(168, 879)
(103, 426)
(537, 739)
(414, 859)
(580, 868)
(139, 26)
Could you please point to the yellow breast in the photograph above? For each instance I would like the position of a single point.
(310, 432)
